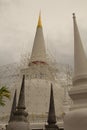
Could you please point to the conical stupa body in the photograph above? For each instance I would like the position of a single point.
(38, 54)
(79, 91)
(51, 114)
(77, 117)
(38, 51)
(13, 109)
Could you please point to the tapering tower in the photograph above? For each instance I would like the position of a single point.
(51, 114)
(38, 66)
(19, 119)
(79, 91)
(38, 55)
(13, 109)
(76, 119)
(39, 75)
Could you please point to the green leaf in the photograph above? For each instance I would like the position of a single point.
(4, 93)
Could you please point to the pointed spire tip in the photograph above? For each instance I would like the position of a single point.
(21, 101)
(51, 113)
(13, 109)
(73, 15)
(39, 20)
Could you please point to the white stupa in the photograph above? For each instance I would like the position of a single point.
(76, 119)
(79, 91)
(39, 75)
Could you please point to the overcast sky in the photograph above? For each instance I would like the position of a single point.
(18, 21)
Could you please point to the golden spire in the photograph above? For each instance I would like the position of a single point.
(39, 20)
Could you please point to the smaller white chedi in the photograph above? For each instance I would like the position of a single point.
(76, 119)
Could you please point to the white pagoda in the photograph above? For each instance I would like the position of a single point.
(76, 119)
(78, 93)
(39, 75)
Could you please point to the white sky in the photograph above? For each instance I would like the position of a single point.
(18, 21)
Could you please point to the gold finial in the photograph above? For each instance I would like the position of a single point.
(39, 20)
